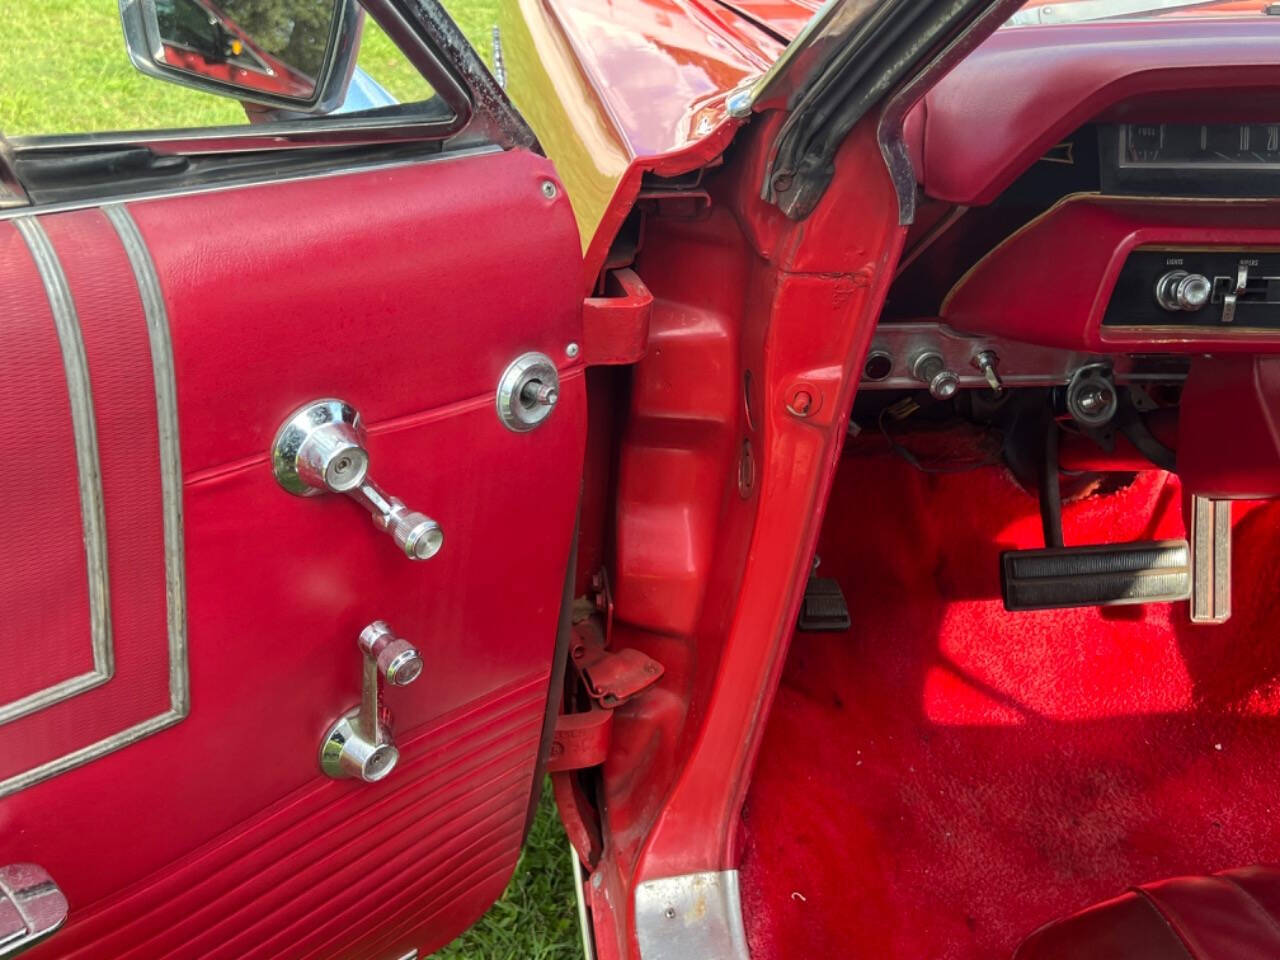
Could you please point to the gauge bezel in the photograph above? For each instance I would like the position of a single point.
(1124, 134)
(1181, 178)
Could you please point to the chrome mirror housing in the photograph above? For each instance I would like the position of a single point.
(294, 55)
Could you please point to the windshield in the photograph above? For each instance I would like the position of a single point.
(1079, 11)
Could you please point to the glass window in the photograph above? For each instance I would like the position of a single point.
(1081, 11)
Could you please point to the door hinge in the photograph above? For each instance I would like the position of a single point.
(610, 679)
(581, 740)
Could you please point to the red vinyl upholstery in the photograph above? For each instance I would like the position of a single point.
(404, 291)
(1234, 915)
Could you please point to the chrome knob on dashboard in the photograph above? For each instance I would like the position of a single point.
(1179, 290)
(320, 448)
(930, 370)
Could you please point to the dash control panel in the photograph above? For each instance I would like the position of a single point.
(1213, 289)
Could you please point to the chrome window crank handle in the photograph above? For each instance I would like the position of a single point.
(320, 448)
(359, 744)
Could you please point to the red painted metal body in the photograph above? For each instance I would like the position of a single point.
(615, 327)
(718, 488)
(630, 89)
(748, 308)
(1244, 393)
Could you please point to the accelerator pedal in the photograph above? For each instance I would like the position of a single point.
(1097, 576)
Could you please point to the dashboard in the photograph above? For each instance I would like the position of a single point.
(1100, 203)
(1102, 186)
(1157, 85)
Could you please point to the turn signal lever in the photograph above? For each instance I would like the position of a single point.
(359, 745)
(320, 448)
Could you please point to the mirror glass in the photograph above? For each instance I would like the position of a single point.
(273, 47)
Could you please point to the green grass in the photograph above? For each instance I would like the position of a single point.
(536, 919)
(64, 70)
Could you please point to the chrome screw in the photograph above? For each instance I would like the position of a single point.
(572, 350)
(549, 189)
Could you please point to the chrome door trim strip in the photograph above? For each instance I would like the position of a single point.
(162, 369)
(89, 476)
(162, 366)
(47, 697)
(75, 758)
(263, 180)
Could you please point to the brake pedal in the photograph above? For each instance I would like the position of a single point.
(1097, 576)
(824, 609)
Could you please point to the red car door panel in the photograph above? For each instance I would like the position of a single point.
(211, 831)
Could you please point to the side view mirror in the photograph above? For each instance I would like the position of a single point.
(294, 55)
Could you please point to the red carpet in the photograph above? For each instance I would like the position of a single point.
(943, 778)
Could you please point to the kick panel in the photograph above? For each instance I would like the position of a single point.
(1214, 289)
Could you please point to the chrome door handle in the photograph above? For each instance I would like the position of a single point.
(359, 744)
(320, 448)
(31, 907)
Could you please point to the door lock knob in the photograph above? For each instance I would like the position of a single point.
(360, 745)
(321, 449)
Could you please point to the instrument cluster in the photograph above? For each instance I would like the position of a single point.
(1238, 159)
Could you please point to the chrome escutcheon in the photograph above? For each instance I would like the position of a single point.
(527, 392)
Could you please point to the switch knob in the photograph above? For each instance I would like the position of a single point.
(1179, 290)
(930, 370)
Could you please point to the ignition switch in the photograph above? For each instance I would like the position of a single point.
(1092, 399)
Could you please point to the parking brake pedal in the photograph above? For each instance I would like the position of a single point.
(1107, 575)
(824, 609)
